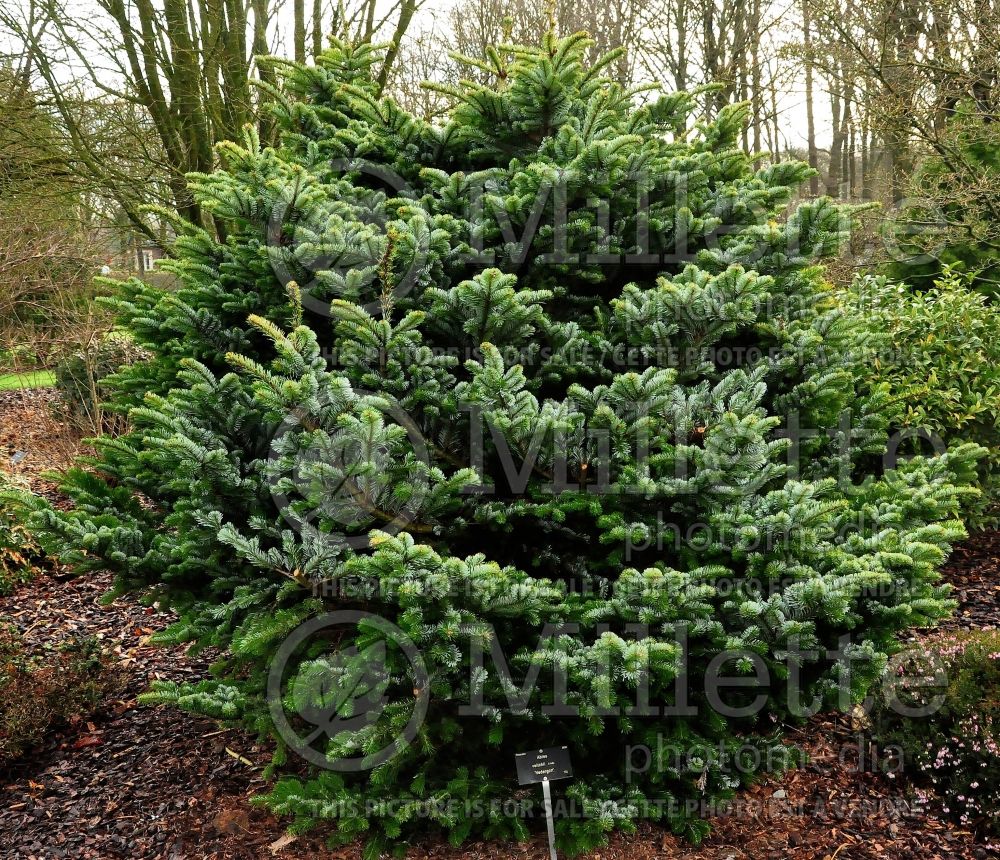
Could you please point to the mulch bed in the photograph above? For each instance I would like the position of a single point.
(138, 782)
(974, 573)
(33, 440)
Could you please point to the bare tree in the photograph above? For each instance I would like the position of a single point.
(477, 24)
(807, 46)
(734, 44)
(422, 58)
(48, 250)
(186, 67)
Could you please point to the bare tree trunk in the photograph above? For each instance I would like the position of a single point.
(681, 11)
(299, 30)
(836, 145)
(775, 146)
(866, 146)
(406, 11)
(711, 55)
(852, 162)
(739, 74)
(265, 128)
(756, 100)
(907, 21)
(317, 27)
(810, 120)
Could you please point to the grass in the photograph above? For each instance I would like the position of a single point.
(33, 379)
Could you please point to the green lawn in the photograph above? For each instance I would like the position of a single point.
(34, 379)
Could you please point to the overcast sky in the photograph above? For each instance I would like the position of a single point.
(434, 15)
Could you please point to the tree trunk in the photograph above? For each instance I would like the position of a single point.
(852, 162)
(836, 146)
(756, 100)
(776, 144)
(406, 12)
(299, 26)
(866, 149)
(317, 28)
(810, 120)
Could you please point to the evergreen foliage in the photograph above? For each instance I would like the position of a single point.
(303, 440)
(952, 221)
(940, 363)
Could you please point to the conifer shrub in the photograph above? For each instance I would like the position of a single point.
(519, 396)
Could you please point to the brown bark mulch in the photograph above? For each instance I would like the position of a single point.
(34, 440)
(973, 570)
(116, 784)
(142, 783)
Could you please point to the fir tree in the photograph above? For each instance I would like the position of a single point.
(404, 382)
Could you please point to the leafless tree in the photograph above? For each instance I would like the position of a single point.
(181, 72)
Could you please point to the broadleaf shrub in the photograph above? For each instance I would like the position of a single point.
(941, 363)
(949, 222)
(522, 389)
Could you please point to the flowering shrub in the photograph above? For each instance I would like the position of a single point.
(949, 730)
